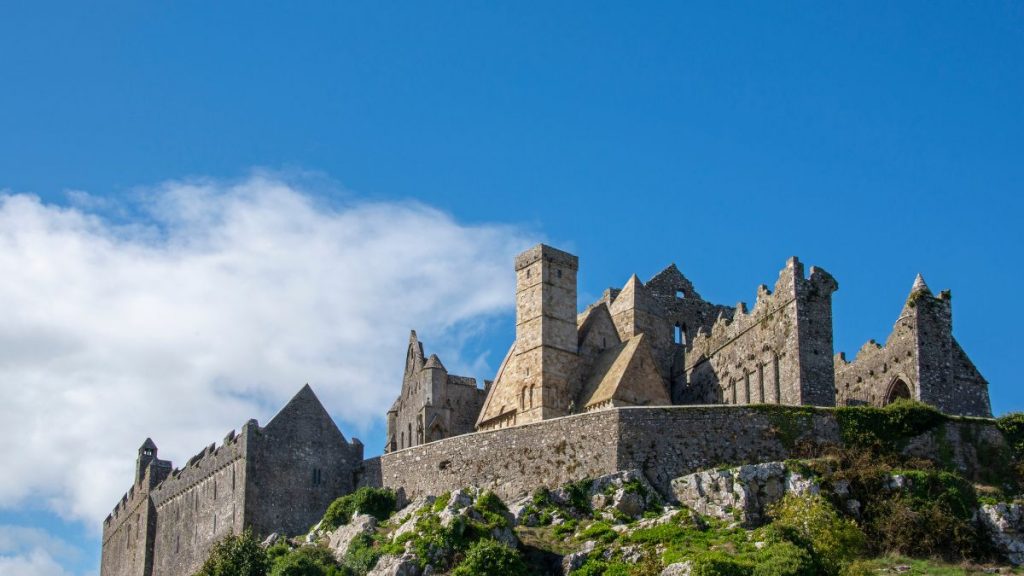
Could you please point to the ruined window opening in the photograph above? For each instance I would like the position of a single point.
(177, 543)
(317, 477)
(680, 294)
(214, 523)
(558, 272)
(402, 443)
(680, 334)
(898, 390)
(760, 382)
(778, 385)
(531, 396)
(410, 433)
(528, 272)
(604, 342)
(522, 399)
(214, 489)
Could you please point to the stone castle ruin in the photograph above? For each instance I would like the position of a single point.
(651, 377)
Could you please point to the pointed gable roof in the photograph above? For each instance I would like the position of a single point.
(627, 374)
(664, 284)
(634, 295)
(304, 410)
(434, 362)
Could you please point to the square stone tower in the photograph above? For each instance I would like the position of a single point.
(546, 337)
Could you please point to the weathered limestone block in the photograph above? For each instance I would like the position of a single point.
(677, 569)
(404, 565)
(341, 538)
(576, 559)
(1005, 523)
(740, 493)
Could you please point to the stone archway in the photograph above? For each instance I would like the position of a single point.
(899, 389)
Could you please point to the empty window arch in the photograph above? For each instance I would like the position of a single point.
(680, 334)
(898, 390)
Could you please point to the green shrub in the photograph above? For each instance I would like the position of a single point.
(717, 563)
(239, 555)
(490, 557)
(361, 556)
(886, 429)
(600, 531)
(377, 502)
(784, 559)
(441, 502)
(1012, 427)
(579, 495)
(565, 528)
(308, 561)
(811, 522)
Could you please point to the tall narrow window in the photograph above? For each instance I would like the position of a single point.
(778, 385)
(522, 398)
(760, 383)
(679, 336)
(746, 387)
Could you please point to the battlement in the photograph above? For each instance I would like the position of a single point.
(545, 252)
(206, 463)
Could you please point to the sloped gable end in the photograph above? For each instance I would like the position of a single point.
(305, 413)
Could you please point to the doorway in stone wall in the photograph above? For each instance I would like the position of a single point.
(898, 389)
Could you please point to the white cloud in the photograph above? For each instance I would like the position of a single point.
(213, 308)
(33, 552)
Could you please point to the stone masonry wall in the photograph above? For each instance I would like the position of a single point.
(662, 442)
(509, 461)
(200, 504)
(128, 531)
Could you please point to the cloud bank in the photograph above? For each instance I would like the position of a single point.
(214, 303)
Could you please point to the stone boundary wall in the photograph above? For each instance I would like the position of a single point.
(509, 461)
(663, 442)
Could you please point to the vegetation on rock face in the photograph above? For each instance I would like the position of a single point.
(874, 502)
(888, 428)
(377, 502)
(490, 557)
(239, 555)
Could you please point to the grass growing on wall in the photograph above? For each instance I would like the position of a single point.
(888, 428)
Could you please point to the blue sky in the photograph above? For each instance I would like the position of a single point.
(875, 140)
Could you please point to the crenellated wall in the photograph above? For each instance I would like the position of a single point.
(778, 353)
(201, 503)
(128, 531)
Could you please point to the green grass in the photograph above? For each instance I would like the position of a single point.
(919, 567)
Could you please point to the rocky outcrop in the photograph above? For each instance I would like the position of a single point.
(742, 493)
(1005, 524)
(340, 539)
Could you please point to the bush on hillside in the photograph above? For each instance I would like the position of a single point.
(239, 555)
(810, 521)
(490, 557)
(377, 502)
(308, 561)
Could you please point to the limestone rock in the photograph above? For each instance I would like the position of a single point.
(1005, 523)
(740, 493)
(404, 565)
(341, 538)
(629, 503)
(271, 540)
(677, 569)
(576, 559)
